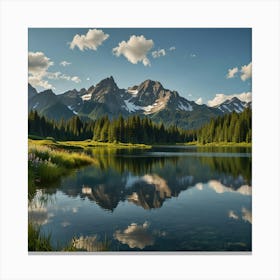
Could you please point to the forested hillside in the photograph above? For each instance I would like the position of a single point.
(232, 127)
(131, 130)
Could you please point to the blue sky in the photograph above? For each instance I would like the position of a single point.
(202, 64)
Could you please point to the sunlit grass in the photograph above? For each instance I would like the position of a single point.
(46, 164)
(220, 144)
(49, 160)
(86, 144)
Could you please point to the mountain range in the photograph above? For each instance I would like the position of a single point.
(149, 99)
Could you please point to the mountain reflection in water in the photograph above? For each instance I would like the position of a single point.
(124, 178)
(145, 202)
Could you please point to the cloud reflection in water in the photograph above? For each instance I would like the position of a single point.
(135, 236)
(218, 187)
(246, 215)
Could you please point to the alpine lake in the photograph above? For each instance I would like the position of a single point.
(167, 198)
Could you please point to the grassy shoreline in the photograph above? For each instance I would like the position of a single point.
(86, 144)
(219, 144)
(68, 145)
(49, 160)
(47, 164)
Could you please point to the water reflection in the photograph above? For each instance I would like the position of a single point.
(91, 243)
(233, 215)
(135, 236)
(38, 216)
(246, 215)
(87, 243)
(218, 187)
(191, 202)
(37, 209)
(124, 177)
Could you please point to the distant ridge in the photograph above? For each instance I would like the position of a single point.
(149, 98)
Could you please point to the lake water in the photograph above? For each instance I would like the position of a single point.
(163, 199)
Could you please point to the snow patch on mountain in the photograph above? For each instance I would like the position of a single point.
(233, 105)
(158, 105)
(132, 91)
(86, 97)
(36, 105)
(148, 108)
(72, 109)
(183, 107)
(131, 107)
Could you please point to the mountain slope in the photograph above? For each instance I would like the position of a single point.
(48, 104)
(31, 91)
(233, 105)
(149, 98)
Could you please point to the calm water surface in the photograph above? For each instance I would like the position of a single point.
(164, 199)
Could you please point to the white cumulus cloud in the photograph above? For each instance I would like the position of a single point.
(76, 79)
(64, 63)
(92, 40)
(60, 76)
(38, 64)
(199, 101)
(65, 77)
(172, 48)
(221, 97)
(38, 81)
(158, 53)
(53, 75)
(231, 72)
(38, 74)
(135, 49)
(246, 72)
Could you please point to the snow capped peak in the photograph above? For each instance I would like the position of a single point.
(233, 104)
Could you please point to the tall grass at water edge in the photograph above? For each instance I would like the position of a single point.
(47, 164)
(39, 242)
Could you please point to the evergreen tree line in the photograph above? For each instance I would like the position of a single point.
(73, 129)
(137, 130)
(232, 127)
(131, 130)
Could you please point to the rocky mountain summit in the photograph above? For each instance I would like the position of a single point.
(149, 99)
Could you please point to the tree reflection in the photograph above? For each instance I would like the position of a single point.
(147, 181)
